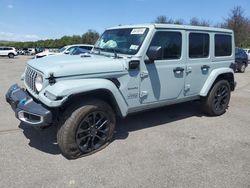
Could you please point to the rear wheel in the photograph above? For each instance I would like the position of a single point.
(11, 55)
(217, 101)
(242, 68)
(86, 129)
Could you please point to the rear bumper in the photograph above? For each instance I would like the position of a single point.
(26, 109)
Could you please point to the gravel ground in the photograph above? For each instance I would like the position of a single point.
(175, 146)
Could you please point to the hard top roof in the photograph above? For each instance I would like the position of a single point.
(175, 26)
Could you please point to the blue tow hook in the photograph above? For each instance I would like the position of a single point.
(23, 101)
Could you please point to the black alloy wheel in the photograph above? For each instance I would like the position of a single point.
(221, 98)
(85, 128)
(93, 131)
(217, 100)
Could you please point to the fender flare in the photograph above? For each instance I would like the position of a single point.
(211, 79)
(65, 88)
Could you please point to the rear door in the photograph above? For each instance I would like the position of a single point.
(199, 61)
(164, 78)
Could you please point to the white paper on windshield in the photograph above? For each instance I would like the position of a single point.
(134, 47)
(138, 31)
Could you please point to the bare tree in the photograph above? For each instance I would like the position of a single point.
(163, 20)
(179, 22)
(197, 22)
(240, 24)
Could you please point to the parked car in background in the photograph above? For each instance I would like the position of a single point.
(241, 60)
(248, 53)
(31, 51)
(39, 50)
(11, 52)
(24, 51)
(65, 50)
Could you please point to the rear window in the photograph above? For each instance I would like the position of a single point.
(223, 45)
(198, 45)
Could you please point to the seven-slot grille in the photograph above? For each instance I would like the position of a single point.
(30, 76)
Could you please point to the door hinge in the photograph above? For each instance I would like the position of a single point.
(144, 74)
(189, 70)
(143, 94)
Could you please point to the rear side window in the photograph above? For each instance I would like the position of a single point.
(223, 45)
(198, 45)
(171, 43)
(7, 48)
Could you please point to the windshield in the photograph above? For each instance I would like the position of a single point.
(61, 49)
(124, 41)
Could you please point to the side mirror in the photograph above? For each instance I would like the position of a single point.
(66, 52)
(154, 53)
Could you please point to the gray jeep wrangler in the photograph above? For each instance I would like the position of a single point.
(131, 69)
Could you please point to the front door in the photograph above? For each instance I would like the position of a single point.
(163, 79)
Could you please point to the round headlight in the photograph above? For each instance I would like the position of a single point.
(39, 82)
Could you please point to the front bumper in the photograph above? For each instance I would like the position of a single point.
(26, 109)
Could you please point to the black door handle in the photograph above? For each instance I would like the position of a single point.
(178, 70)
(205, 67)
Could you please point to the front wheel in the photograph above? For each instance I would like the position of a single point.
(86, 129)
(217, 101)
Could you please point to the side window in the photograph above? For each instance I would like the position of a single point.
(171, 43)
(71, 49)
(249, 51)
(198, 45)
(223, 45)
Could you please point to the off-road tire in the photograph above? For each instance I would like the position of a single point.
(213, 98)
(71, 122)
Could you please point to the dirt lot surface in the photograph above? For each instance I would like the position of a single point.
(175, 146)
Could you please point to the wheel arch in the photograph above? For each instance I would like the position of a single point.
(215, 76)
(101, 94)
(71, 91)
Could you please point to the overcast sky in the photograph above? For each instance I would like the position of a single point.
(24, 20)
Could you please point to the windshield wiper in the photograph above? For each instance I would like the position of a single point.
(114, 50)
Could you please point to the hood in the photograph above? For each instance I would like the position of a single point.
(70, 65)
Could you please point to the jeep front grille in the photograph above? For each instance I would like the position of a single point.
(30, 76)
